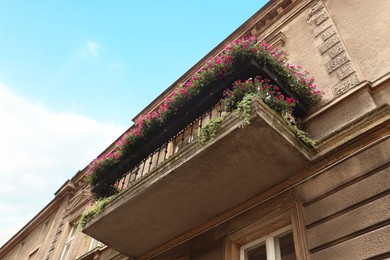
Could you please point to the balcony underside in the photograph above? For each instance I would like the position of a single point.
(201, 182)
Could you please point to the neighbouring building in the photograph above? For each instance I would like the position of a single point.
(252, 192)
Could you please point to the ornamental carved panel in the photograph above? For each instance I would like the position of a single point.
(339, 60)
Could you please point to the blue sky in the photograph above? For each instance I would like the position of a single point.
(74, 73)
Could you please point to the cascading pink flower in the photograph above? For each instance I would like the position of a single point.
(219, 66)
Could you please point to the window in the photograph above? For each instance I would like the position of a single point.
(94, 243)
(68, 243)
(279, 234)
(275, 246)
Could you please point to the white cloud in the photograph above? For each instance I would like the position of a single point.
(92, 48)
(39, 151)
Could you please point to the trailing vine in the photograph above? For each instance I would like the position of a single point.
(209, 131)
(237, 100)
(88, 215)
(303, 136)
(227, 63)
(243, 109)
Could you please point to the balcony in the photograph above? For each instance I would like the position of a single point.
(199, 182)
(170, 183)
(163, 141)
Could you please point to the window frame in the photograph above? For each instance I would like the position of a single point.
(94, 244)
(268, 240)
(69, 242)
(287, 215)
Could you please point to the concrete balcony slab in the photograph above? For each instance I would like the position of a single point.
(202, 181)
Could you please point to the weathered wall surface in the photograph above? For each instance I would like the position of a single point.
(45, 238)
(345, 212)
(345, 47)
(34, 243)
(363, 26)
(347, 208)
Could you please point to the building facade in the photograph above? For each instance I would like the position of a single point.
(253, 192)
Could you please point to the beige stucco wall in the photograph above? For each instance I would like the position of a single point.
(301, 46)
(364, 27)
(382, 96)
(49, 231)
(363, 30)
(34, 241)
(344, 210)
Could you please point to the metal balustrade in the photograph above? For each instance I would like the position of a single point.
(183, 138)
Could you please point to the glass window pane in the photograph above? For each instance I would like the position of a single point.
(257, 253)
(93, 244)
(65, 252)
(284, 247)
(71, 232)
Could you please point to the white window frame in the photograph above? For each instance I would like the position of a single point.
(94, 244)
(68, 243)
(272, 250)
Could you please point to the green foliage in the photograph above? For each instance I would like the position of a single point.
(209, 131)
(303, 136)
(98, 207)
(228, 62)
(260, 87)
(236, 94)
(243, 109)
(238, 100)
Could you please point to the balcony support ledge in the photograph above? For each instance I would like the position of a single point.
(202, 181)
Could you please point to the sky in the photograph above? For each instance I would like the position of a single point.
(74, 73)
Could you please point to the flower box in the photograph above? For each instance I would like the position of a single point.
(185, 116)
(188, 113)
(300, 109)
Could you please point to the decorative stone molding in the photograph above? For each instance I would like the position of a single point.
(278, 41)
(321, 17)
(340, 63)
(326, 45)
(336, 50)
(345, 70)
(336, 62)
(329, 32)
(272, 13)
(57, 235)
(315, 10)
(321, 28)
(345, 85)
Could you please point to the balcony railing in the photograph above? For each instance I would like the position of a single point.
(183, 138)
(182, 130)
